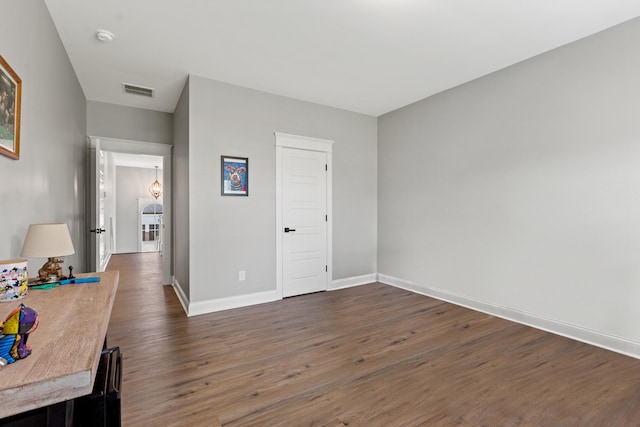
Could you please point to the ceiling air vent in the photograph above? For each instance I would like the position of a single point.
(137, 90)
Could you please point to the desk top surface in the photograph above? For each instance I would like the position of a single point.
(65, 347)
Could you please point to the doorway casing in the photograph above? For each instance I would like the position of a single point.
(154, 149)
(283, 141)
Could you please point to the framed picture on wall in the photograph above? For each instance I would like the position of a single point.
(235, 176)
(10, 94)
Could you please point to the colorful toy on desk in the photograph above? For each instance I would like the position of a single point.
(15, 331)
(75, 280)
(49, 285)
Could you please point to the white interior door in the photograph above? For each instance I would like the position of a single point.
(304, 219)
(97, 250)
(302, 265)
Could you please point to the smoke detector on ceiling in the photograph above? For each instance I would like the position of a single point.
(105, 36)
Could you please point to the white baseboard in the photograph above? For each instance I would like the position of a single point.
(181, 296)
(104, 264)
(218, 304)
(578, 333)
(353, 281)
(210, 306)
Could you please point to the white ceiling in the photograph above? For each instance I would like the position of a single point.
(367, 56)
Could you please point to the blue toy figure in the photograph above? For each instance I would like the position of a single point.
(15, 331)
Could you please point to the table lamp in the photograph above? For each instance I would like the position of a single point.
(48, 241)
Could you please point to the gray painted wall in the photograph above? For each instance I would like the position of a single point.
(181, 193)
(521, 189)
(128, 123)
(131, 184)
(228, 234)
(47, 184)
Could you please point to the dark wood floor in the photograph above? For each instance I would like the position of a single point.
(371, 355)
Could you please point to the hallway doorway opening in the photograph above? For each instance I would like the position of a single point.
(131, 217)
(150, 217)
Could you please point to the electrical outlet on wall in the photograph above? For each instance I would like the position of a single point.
(241, 275)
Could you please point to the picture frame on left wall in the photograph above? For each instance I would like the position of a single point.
(10, 97)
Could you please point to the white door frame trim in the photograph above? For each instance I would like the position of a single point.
(154, 149)
(284, 140)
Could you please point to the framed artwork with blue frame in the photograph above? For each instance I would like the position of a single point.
(235, 176)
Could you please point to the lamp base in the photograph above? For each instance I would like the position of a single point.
(51, 271)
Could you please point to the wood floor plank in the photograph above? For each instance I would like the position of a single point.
(371, 355)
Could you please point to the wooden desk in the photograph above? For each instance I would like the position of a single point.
(65, 347)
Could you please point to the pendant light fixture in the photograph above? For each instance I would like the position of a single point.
(156, 188)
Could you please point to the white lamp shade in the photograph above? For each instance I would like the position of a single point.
(47, 241)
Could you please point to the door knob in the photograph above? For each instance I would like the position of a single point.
(287, 229)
